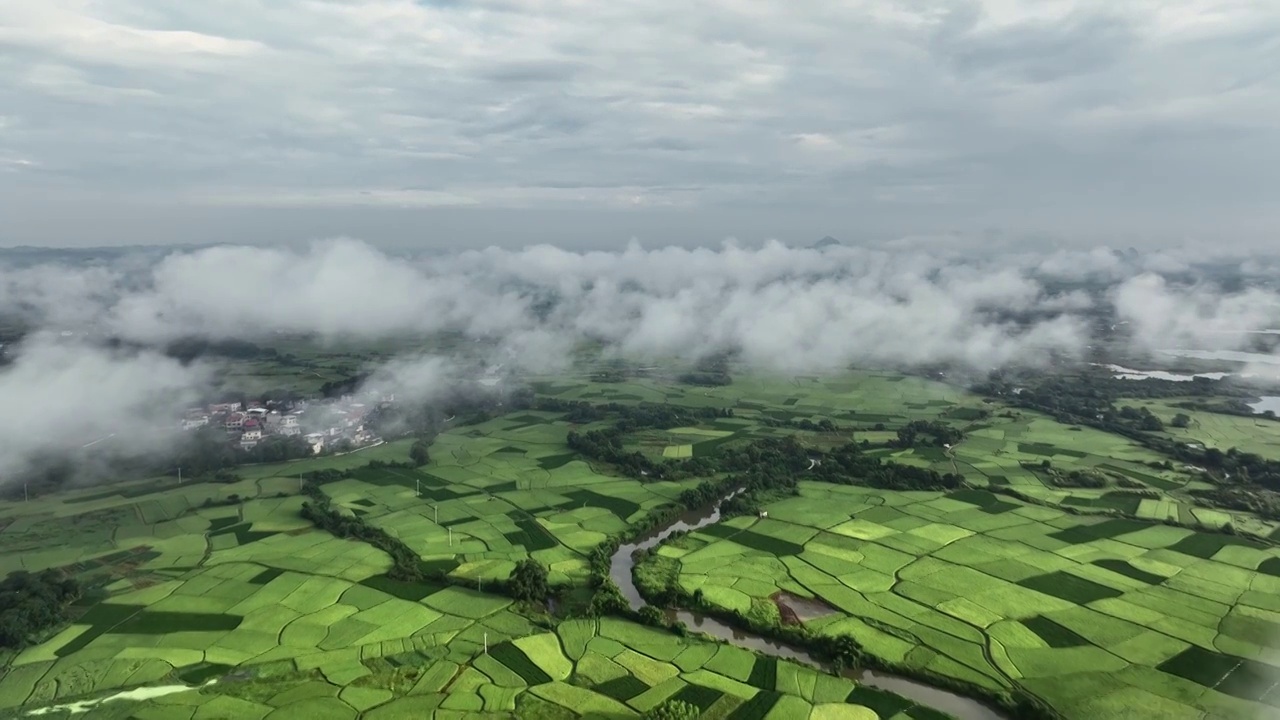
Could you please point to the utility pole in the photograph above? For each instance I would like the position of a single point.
(450, 537)
(25, 496)
(179, 475)
(417, 484)
(436, 508)
(486, 643)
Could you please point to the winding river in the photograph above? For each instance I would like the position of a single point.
(622, 562)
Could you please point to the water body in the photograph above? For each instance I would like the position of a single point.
(143, 693)
(621, 564)
(1124, 373)
(1227, 355)
(1267, 402)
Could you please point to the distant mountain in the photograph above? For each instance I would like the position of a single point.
(28, 256)
(827, 241)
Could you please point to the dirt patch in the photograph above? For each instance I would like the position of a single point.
(789, 616)
(796, 610)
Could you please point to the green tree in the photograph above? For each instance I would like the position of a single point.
(419, 453)
(528, 581)
(844, 651)
(1180, 420)
(606, 600)
(673, 710)
(31, 604)
(650, 615)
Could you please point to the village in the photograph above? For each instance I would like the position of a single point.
(329, 425)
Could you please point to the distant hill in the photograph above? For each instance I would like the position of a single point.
(827, 241)
(28, 256)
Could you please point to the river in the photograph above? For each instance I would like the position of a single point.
(1237, 356)
(622, 562)
(1124, 373)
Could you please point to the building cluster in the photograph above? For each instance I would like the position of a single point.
(321, 424)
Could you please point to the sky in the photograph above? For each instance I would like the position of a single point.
(449, 123)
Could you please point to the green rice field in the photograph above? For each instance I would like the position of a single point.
(1084, 598)
(310, 627)
(500, 666)
(1255, 435)
(1092, 615)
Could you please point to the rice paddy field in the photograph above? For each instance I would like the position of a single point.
(484, 661)
(499, 492)
(300, 624)
(308, 626)
(1255, 435)
(1094, 613)
(1096, 616)
(998, 445)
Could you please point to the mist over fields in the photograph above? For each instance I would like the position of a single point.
(778, 308)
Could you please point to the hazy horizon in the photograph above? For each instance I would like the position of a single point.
(469, 124)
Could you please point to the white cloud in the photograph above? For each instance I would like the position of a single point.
(784, 309)
(1163, 316)
(63, 394)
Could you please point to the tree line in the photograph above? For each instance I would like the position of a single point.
(927, 432)
(629, 417)
(406, 565)
(779, 460)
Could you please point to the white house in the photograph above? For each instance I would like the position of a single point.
(234, 421)
(316, 441)
(250, 438)
(192, 423)
(288, 425)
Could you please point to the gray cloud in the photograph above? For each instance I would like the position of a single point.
(1058, 116)
(1037, 50)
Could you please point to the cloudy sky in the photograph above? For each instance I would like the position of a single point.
(455, 122)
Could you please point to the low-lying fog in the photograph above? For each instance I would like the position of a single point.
(778, 308)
